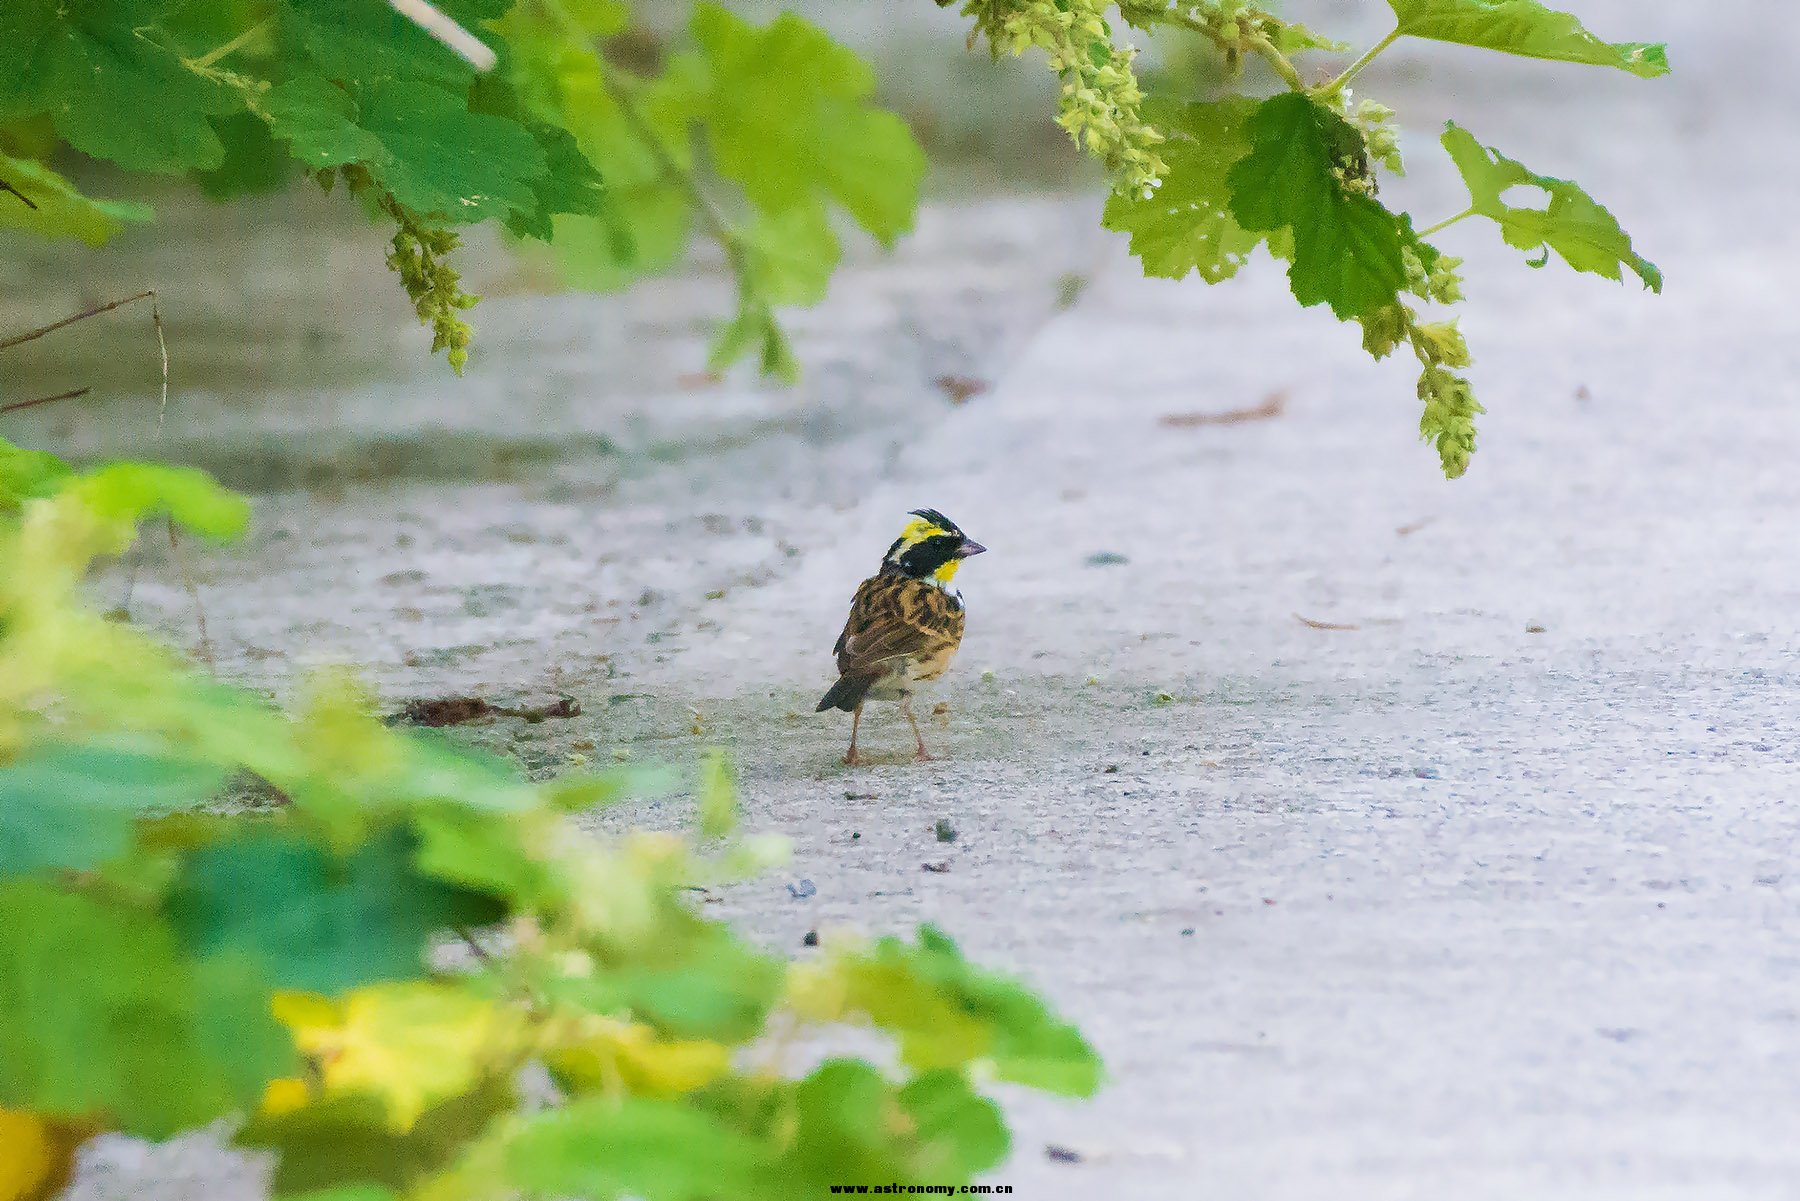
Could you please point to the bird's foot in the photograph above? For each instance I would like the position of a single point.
(923, 756)
(852, 759)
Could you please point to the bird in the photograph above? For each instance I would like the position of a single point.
(905, 623)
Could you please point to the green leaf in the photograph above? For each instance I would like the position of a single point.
(100, 1015)
(633, 1147)
(1186, 224)
(1573, 223)
(360, 43)
(948, 1012)
(28, 475)
(793, 253)
(128, 493)
(718, 797)
(960, 1132)
(60, 210)
(317, 119)
(1347, 249)
(70, 806)
(1526, 28)
(570, 184)
(446, 161)
(254, 161)
(786, 112)
(345, 1144)
(320, 923)
(110, 88)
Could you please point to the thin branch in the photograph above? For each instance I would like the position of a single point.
(1337, 85)
(33, 335)
(44, 400)
(193, 591)
(28, 201)
(1446, 223)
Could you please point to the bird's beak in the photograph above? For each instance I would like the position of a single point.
(969, 549)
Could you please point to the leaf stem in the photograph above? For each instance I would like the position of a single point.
(1356, 68)
(737, 254)
(1446, 223)
(1276, 59)
(233, 46)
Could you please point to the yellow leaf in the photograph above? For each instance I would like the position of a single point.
(411, 1045)
(603, 1052)
(37, 1156)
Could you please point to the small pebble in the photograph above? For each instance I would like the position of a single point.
(1106, 558)
(810, 939)
(945, 831)
(802, 890)
(1061, 1154)
(942, 865)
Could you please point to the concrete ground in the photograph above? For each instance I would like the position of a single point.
(1484, 891)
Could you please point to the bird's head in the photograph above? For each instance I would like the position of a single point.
(930, 547)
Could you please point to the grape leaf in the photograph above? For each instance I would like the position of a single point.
(111, 90)
(643, 223)
(321, 924)
(28, 475)
(961, 1133)
(948, 1012)
(444, 160)
(793, 253)
(357, 42)
(1186, 224)
(633, 1147)
(254, 161)
(100, 1015)
(1573, 223)
(786, 112)
(1526, 28)
(60, 210)
(1347, 247)
(341, 1143)
(127, 493)
(412, 1045)
(569, 185)
(72, 806)
(317, 119)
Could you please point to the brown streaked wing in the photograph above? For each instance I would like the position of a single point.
(894, 617)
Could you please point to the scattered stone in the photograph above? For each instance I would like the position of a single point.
(1534, 628)
(460, 710)
(944, 830)
(810, 939)
(1107, 558)
(1187, 932)
(958, 389)
(940, 867)
(859, 796)
(802, 890)
(1059, 1154)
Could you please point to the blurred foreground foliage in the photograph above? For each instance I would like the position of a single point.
(415, 976)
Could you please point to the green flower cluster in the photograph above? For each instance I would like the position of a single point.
(420, 257)
(1101, 102)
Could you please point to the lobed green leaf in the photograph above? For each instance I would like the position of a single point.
(60, 210)
(1186, 225)
(1348, 250)
(1573, 224)
(1526, 28)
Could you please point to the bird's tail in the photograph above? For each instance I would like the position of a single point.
(846, 694)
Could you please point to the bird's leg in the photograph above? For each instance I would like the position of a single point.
(855, 721)
(923, 756)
